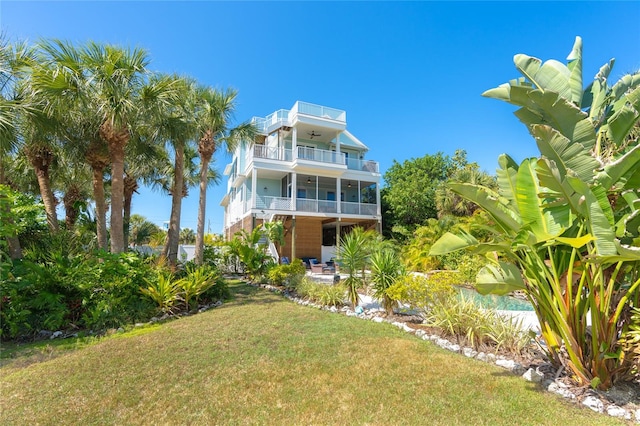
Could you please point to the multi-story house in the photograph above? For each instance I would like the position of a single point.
(308, 171)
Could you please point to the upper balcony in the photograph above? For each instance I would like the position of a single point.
(310, 156)
(301, 111)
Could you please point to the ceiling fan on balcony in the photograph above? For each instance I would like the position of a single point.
(313, 133)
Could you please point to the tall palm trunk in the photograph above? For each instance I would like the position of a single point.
(98, 163)
(70, 199)
(170, 251)
(117, 141)
(206, 148)
(41, 158)
(130, 187)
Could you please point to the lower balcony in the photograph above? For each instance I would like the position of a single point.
(308, 205)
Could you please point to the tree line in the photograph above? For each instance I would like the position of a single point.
(91, 122)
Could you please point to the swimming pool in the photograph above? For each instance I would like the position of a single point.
(493, 301)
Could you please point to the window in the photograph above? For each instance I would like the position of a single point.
(302, 193)
(331, 195)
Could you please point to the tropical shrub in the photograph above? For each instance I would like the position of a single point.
(323, 294)
(565, 226)
(386, 269)
(422, 292)
(477, 327)
(196, 282)
(288, 275)
(352, 257)
(630, 342)
(163, 290)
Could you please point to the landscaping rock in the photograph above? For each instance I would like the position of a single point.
(120, 330)
(55, 335)
(44, 334)
(560, 389)
(491, 358)
(638, 415)
(532, 375)
(469, 352)
(481, 356)
(377, 319)
(594, 403)
(509, 364)
(615, 411)
(454, 348)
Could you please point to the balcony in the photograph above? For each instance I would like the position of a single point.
(319, 111)
(284, 117)
(270, 153)
(320, 155)
(308, 205)
(365, 165)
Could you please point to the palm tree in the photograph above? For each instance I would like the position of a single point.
(177, 127)
(213, 113)
(118, 76)
(63, 78)
(40, 148)
(14, 64)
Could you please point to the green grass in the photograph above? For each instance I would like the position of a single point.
(260, 359)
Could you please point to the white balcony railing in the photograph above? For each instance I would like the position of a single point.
(274, 203)
(320, 111)
(274, 120)
(321, 155)
(366, 165)
(359, 208)
(271, 153)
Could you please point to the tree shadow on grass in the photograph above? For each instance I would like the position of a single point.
(243, 293)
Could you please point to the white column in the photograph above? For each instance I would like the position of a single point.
(254, 188)
(338, 142)
(338, 199)
(294, 191)
(294, 143)
(378, 201)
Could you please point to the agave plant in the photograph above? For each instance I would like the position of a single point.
(566, 224)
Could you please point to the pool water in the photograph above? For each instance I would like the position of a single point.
(493, 301)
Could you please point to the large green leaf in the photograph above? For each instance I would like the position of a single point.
(507, 179)
(501, 279)
(555, 185)
(598, 221)
(541, 221)
(626, 165)
(551, 76)
(623, 120)
(565, 154)
(449, 243)
(507, 219)
(505, 91)
(575, 67)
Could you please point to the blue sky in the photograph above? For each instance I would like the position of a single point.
(409, 75)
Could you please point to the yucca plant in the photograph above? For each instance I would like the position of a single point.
(386, 269)
(352, 256)
(566, 224)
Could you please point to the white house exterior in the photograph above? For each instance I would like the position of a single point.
(308, 171)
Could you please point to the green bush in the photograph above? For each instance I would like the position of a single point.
(323, 294)
(94, 291)
(477, 327)
(423, 292)
(287, 275)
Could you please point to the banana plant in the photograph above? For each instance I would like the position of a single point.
(565, 225)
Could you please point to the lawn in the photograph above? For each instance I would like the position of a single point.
(260, 359)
